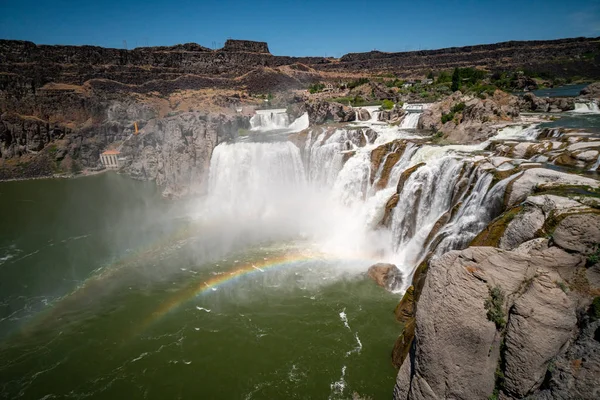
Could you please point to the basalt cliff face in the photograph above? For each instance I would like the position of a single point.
(60, 106)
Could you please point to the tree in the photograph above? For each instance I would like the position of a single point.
(455, 80)
(430, 75)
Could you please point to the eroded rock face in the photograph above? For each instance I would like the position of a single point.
(474, 123)
(457, 348)
(320, 112)
(579, 232)
(387, 276)
(543, 343)
(591, 91)
(530, 102)
(542, 178)
(176, 151)
(542, 321)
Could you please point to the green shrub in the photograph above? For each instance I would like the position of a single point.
(447, 117)
(593, 258)
(494, 306)
(459, 107)
(563, 286)
(455, 80)
(444, 77)
(387, 104)
(358, 82)
(316, 87)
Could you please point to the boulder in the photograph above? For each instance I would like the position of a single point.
(363, 115)
(457, 347)
(542, 178)
(542, 320)
(320, 112)
(591, 91)
(522, 228)
(387, 276)
(530, 102)
(476, 122)
(578, 232)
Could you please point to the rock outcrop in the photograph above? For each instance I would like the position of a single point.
(530, 102)
(320, 112)
(468, 119)
(591, 91)
(175, 151)
(569, 58)
(387, 276)
(512, 323)
(246, 46)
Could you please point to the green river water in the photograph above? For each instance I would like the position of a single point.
(106, 292)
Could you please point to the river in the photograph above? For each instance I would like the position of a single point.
(110, 291)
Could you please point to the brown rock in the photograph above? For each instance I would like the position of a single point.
(387, 276)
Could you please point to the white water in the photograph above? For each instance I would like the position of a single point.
(518, 132)
(410, 121)
(596, 164)
(590, 107)
(327, 196)
(277, 119)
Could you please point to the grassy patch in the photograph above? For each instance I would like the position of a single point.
(494, 306)
(387, 104)
(593, 258)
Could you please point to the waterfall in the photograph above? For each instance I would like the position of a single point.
(596, 164)
(425, 197)
(519, 132)
(244, 173)
(475, 212)
(277, 119)
(325, 159)
(589, 107)
(411, 120)
(327, 192)
(402, 164)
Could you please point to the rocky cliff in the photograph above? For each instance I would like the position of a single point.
(515, 319)
(561, 58)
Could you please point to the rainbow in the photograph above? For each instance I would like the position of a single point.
(95, 282)
(185, 295)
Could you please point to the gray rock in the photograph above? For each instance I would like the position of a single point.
(533, 178)
(320, 112)
(574, 374)
(522, 228)
(176, 151)
(457, 349)
(542, 321)
(362, 114)
(580, 232)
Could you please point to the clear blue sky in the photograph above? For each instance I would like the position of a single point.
(299, 27)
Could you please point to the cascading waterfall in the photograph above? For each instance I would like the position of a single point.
(333, 198)
(590, 107)
(520, 132)
(596, 164)
(277, 119)
(425, 197)
(411, 120)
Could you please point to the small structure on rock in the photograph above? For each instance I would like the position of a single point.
(110, 159)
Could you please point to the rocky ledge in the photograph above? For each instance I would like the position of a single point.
(519, 318)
